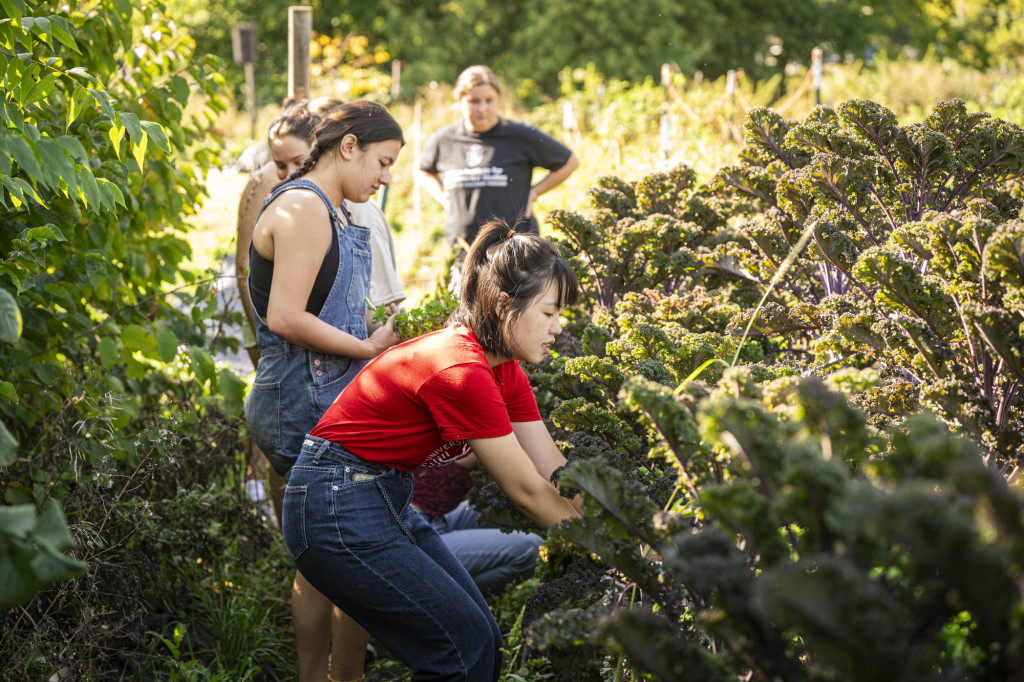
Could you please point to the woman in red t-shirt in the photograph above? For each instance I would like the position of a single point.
(347, 520)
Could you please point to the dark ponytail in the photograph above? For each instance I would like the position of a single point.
(502, 260)
(368, 121)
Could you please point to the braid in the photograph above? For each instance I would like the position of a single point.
(326, 121)
(314, 156)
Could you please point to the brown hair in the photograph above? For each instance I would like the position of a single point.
(368, 121)
(296, 118)
(502, 260)
(474, 76)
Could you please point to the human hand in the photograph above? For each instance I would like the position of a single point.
(529, 202)
(384, 336)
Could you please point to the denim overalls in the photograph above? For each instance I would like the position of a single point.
(294, 386)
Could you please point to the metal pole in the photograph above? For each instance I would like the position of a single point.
(300, 32)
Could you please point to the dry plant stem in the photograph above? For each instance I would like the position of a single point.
(786, 264)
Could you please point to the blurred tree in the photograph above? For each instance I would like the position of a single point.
(534, 39)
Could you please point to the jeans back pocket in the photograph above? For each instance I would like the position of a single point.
(294, 520)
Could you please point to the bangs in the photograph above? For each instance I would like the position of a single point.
(566, 283)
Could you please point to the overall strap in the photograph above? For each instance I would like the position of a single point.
(302, 183)
(344, 210)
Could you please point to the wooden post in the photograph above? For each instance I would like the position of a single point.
(817, 70)
(666, 121)
(396, 79)
(243, 45)
(417, 144)
(300, 32)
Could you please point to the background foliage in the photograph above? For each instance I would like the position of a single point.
(751, 403)
(437, 40)
(108, 388)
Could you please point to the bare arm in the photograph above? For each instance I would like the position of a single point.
(256, 190)
(552, 180)
(542, 451)
(508, 463)
(432, 183)
(284, 235)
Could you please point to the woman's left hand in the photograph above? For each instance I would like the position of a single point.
(384, 336)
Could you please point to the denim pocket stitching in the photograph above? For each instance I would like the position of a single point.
(303, 544)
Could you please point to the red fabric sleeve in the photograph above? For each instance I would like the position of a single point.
(465, 402)
(520, 402)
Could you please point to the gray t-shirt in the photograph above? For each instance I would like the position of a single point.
(488, 175)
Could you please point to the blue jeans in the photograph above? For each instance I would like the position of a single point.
(493, 558)
(352, 534)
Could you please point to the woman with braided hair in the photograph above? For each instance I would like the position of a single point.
(309, 275)
(348, 522)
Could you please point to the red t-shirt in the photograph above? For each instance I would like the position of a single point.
(417, 403)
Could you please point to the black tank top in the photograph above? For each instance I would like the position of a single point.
(261, 274)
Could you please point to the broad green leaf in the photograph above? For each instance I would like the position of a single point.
(5, 159)
(10, 318)
(7, 391)
(139, 151)
(25, 155)
(81, 71)
(44, 372)
(51, 568)
(230, 386)
(202, 365)
(131, 123)
(61, 30)
(108, 352)
(113, 383)
(14, 188)
(41, 27)
(90, 191)
(42, 88)
(17, 521)
(136, 338)
(112, 191)
(79, 95)
(134, 368)
(8, 449)
(15, 9)
(124, 7)
(181, 90)
(74, 147)
(12, 115)
(59, 166)
(166, 343)
(44, 233)
(28, 190)
(104, 101)
(116, 134)
(16, 581)
(156, 132)
(52, 528)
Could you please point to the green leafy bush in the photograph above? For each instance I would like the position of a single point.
(109, 389)
(92, 134)
(742, 518)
